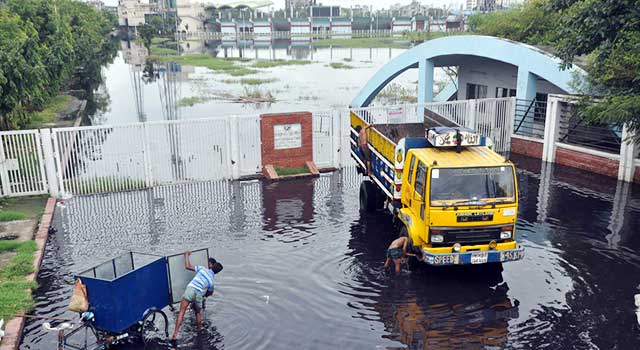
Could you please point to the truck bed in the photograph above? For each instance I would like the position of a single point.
(395, 132)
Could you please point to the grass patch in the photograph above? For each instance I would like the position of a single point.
(14, 297)
(104, 184)
(161, 50)
(10, 215)
(49, 114)
(277, 63)
(216, 64)
(340, 65)
(393, 43)
(191, 101)
(396, 93)
(250, 81)
(31, 206)
(423, 36)
(22, 264)
(291, 171)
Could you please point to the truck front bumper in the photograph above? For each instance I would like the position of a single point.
(474, 257)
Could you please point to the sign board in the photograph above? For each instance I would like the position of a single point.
(448, 138)
(179, 276)
(287, 136)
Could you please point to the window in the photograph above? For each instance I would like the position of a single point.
(413, 160)
(421, 176)
(505, 92)
(493, 184)
(475, 91)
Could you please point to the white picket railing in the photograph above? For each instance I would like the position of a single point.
(21, 166)
(98, 159)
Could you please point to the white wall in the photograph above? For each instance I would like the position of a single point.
(493, 75)
(228, 28)
(399, 28)
(300, 29)
(341, 29)
(132, 11)
(262, 29)
(191, 14)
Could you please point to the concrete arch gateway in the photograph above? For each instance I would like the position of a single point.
(532, 65)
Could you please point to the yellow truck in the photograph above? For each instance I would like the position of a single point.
(448, 192)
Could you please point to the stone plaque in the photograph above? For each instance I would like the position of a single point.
(287, 136)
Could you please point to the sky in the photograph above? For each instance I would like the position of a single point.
(378, 4)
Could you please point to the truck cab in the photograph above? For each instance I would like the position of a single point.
(460, 206)
(448, 191)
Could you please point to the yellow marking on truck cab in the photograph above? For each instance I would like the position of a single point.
(467, 157)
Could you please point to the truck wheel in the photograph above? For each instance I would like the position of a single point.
(368, 197)
(413, 261)
(380, 199)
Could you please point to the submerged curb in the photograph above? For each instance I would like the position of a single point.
(13, 330)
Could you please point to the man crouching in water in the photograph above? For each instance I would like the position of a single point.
(201, 286)
(397, 252)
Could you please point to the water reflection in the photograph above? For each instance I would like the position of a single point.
(139, 93)
(303, 268)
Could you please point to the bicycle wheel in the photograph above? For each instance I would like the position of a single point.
(155, 327)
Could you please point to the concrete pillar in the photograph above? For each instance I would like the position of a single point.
(544, 188)
(526, 89)
(233, 147)
(551, 129)
(49, 162)
(425, 81)
(616, 221)
(626, 167)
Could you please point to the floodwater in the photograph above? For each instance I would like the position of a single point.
(129, 97)
(303, 267)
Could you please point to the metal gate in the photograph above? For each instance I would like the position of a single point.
(22, 170)
(128, 157)
(323, 139)
(249, 144)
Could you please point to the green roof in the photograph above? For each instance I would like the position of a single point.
(362, 19)
(321, 20)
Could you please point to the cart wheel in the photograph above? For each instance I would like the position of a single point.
(155, 326)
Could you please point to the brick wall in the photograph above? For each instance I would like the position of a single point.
(636, 176)
(526, 147)
(588, 162)
(286, 158)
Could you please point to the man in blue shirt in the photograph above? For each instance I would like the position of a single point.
(201, 286)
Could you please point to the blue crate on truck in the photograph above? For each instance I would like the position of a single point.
(119, 292)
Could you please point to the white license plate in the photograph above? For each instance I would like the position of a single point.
(479, 257)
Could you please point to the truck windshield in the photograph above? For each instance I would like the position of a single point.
(451, 186)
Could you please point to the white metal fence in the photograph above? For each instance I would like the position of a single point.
(21, 167)
(97, 159)
(493, 117)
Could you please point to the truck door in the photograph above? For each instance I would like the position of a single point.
(418, 200)
(407, 186)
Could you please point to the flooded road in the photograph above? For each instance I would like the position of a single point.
(303, 268)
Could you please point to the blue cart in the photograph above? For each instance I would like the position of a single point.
(126, 297)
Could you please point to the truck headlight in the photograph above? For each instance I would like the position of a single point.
(437, 239)
(505, 234)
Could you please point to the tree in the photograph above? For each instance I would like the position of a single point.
(608, 33)
(531, 23)
(147, 32)
(47, 46)
(23, 76)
